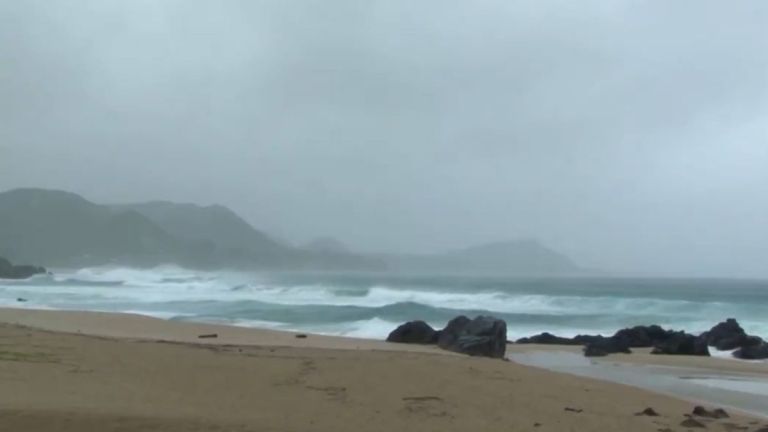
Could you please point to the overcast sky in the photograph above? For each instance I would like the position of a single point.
(631, 135)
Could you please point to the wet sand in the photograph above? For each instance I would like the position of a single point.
(730, 383)
(132, 373)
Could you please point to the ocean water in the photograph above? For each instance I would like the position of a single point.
(371, 305)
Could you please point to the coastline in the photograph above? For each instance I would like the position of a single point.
(87, 370)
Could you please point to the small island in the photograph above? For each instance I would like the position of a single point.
(10, 271)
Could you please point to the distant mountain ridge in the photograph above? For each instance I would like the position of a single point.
(515, 257)
(65, 230)
(215, 224)
(62, 229)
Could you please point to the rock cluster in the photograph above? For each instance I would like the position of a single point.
(727, 335)
(482, 336)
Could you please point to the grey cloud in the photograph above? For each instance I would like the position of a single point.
(630, 135)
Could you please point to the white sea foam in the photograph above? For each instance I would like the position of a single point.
(170, 291)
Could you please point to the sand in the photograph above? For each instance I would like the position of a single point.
(131, 373)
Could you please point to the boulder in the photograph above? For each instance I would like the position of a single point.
(717, 413)
(452, 330)
(10, 271)
(604, 346)
(587, 339)
(483, 336)
(548, 339)
(753, 349)
(681, 343)
(643, 336)
(726, 335)
(414, 332)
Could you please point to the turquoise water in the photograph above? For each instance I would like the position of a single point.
(370, 305)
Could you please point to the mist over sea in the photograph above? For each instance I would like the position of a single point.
(371, 305)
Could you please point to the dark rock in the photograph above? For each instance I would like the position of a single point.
(681, 343)
(300, 336)
(726, 335)
(575, 410)
(692, 423)
(21, 300)
(604, 346)
(650, 412)
(483, 336)
(717, 413)
(548, 339)
(452, 330)
(10, 271)
(414, 332)
(587, 339)
(643, 336)
(208, 336)
(754, 349)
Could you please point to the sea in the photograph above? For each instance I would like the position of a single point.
(372, 305)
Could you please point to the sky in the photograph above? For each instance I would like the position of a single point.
(630, 135)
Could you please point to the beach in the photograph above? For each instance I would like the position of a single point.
(81, 371)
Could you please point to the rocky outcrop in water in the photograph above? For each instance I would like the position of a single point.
(415, 332)
(548, 339)
(754, 348)
(682, 343)
(726, 335)
(643, 336)
(10, 271)
(483, 336)
(729, 335)
(604, 346)
(661, 340)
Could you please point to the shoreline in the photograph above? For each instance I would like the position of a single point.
(113, 362)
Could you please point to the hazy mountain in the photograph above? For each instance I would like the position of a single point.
(62, 229)
(327, 244)
(216, 225)
(55, 228)
(521, 257)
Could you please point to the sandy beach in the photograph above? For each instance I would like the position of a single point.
(83, 371)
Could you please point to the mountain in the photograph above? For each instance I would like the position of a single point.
(520, 257)
(62, 229)
(326, 244)
(217, 226)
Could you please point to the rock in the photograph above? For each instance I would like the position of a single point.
(692, 423)
(717, 413)
(548, 339)
(604, 346)
(643, 336)
(681, 343)
(587, 339)
(754, 349)
(208, 336)
(650, 412)
(451, 332)
(575, 410)
(726, 335)
(415, 332)
(301, 336)
(21, 300)
(483, 336)
(10, 271)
